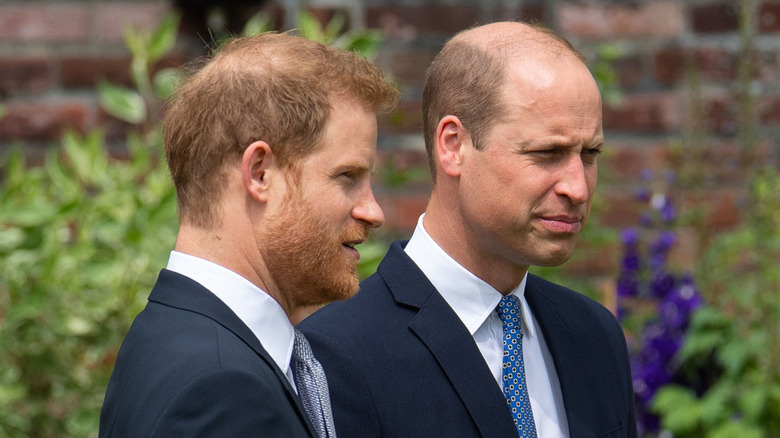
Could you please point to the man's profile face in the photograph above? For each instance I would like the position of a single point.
(528, 193)
(311, 238)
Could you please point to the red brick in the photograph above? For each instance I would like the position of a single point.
(656, 112)
(534, 13)
(113, 17)
(402, 210)
(672, 64)
(405, 119)
(592, 260)
(407, 22)
(410, 66)
(38, 21)
(88, 71)
(721, 207)
(24, 74)
(629, 70)
(768, 110)
(720, 114)
(621, 209)
(42, 121)
(715, 18)
(714, 163)
(625, 161)
(610, 21)
(769, 17)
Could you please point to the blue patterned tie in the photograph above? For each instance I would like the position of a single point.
(515, 388)
(312, 387)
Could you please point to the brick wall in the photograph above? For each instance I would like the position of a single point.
(53, 53)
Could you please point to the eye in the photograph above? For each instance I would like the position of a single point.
(589, 155)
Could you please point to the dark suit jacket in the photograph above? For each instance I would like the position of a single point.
(400, 363)
(189, 367)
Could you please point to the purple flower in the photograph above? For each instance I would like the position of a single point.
(668, 212)
(661, 284)
(630, 237)
(627, 286)
(643, 194)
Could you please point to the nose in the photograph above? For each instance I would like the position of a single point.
(368, 210)
(576, 180)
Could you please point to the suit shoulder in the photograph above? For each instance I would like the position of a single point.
(567, 300)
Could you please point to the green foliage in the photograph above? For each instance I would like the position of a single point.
(82, 239)
(737, 335)
(366, 42)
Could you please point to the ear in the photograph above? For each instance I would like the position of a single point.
(255, 164)
(450, 141)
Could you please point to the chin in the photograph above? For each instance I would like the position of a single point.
(553, 259)
(335, 289)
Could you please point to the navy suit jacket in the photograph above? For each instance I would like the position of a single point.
(189, 367)
(400, 363)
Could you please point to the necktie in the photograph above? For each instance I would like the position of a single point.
(515, 388)
(312, 387)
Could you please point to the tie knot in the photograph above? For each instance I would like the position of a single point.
(301, 348)
(509, 311)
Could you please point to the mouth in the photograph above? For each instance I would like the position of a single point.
(350, 247)
(562, 224)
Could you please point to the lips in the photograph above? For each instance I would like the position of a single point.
(563, 224)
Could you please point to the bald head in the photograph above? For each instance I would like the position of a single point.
(466, 77)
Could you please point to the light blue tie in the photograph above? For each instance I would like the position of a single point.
(515, 389)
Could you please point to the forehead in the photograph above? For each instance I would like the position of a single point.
(551, 93)
(349, 134)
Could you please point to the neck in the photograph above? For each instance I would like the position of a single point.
(241, 256)
(447, 227)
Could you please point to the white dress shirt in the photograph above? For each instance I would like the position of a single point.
(475, 301)
(253, 306)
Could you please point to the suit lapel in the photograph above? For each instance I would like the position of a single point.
(567, 357)
(439, 328)
(176, 290)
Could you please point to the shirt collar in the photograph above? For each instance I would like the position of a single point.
(253, 306)
(472, 299)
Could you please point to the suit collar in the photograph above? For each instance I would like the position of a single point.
(176, 290)
(442, 332)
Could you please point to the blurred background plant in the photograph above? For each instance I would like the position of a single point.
(715, 373)
(654, 302)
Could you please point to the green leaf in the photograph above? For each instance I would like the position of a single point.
(736, 429)
(10, 238)
(134, 42)
(79, 326)
(366, 43)
(259, 23)
(163, 38)
(733, 355)
(753, 401)
(33, 214)
(334, 27)
(78, 154)
(678, 408)
(310, 27)
(122, 103)
(166, 82)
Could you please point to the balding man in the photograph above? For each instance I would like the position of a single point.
(452, 337)
(271, 146)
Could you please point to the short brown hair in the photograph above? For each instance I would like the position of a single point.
(465, 80)
(273, 87)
